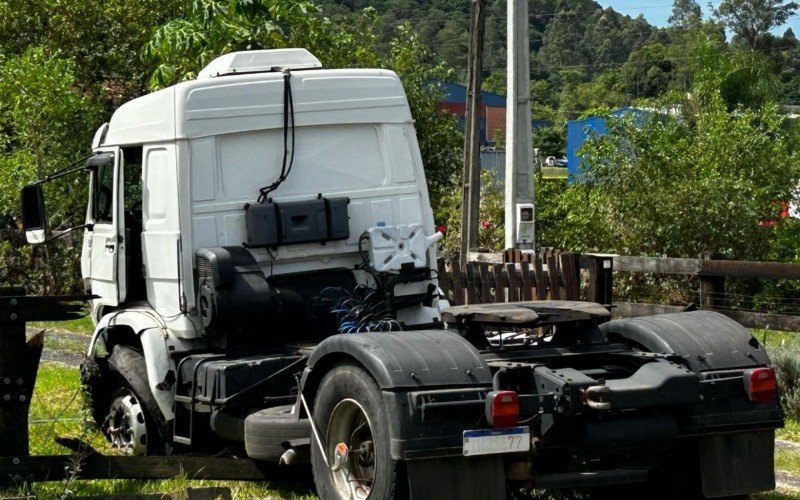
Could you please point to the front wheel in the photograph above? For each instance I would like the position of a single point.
(350, 414)
(122, 404)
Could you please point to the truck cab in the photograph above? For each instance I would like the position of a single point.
(261, 249)
(173, 171)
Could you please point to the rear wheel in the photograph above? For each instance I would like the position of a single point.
(350, 414)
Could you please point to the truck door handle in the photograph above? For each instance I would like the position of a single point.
(111, 246)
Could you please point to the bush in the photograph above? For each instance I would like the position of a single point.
(786, 362)
(491, 229)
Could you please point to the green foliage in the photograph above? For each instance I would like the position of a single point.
(685, 14)
(580, 98)
(752, 19)
(682, 184)
(491, 232)
(551, 141)
(46, 121)
(649, 71)
(739, 77)
(211, 28)
(102, 38)
(665, 187)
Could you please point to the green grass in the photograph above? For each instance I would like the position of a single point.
(174, 487)
(775, 338)
(65, 343)
(779, 494)
(790, 432)
(57, 410)
(82, 325)
(787, 460)
(555, 172)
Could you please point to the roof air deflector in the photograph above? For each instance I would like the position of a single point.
(259, 61)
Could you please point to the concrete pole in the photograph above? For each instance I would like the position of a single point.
(519, 146)
(470, 200)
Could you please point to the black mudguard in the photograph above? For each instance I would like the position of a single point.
(408, 360)
(406, 366)
(706, 340)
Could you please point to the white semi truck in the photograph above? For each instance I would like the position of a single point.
(262, 251)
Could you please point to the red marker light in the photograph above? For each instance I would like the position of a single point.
(502, 408)
(760, 385)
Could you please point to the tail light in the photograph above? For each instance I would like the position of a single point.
(760, 385)
(502, 408)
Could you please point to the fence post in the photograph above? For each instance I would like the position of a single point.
(601, 278)
(712, 288)
(19, 362)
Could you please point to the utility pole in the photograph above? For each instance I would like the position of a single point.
(470, 200)
(519, 149)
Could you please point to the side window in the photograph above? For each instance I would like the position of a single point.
(132, 191)
(104, 193)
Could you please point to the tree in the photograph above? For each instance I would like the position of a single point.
(603, 93)
(685, 14)
(102, 38)
(750, 20)
(740, 78)
(46, 121)
(648, 72)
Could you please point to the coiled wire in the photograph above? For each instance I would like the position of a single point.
(362, 310)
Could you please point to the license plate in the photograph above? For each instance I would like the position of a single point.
(491, 441)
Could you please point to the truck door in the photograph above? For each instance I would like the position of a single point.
(104, 255)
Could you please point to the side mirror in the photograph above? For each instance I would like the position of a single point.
(34, 215)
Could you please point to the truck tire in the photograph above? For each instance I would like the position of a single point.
(267, 432)
(133, 421)
(96, 384)
(349, 412)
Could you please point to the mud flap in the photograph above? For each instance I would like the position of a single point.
(457, 477)
(737, 464)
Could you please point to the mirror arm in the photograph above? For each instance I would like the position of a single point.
(89, 225)
(64, 172)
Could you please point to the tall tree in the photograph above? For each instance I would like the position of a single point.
(750, 20)
(685, 14)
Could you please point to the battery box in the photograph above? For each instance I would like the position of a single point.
(272, 224)
(217, 379)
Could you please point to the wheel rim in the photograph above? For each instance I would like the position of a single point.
(126, 427)
(353, 471)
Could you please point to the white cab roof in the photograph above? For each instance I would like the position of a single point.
(254, 101)
(254, 61)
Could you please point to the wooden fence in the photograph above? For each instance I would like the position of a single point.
(713, 274)
(552, 274)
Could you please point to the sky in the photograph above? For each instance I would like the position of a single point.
(657, 11)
